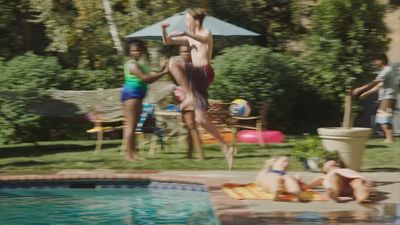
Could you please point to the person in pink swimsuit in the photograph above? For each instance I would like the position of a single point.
(342, 182)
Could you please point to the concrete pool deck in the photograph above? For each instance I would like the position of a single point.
(275, 212)
(384, 210)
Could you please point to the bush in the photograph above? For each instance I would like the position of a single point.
(30, 72)
(255, 74)
(22, 79)
(81, 79)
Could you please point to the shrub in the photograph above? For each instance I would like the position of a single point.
(255, 74)
(310, 147)
(22, 79)
(81, 79)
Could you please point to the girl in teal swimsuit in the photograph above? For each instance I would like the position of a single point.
(136, 77)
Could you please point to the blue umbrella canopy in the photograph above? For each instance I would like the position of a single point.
(177, 23)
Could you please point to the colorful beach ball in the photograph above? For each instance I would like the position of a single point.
(240, 107)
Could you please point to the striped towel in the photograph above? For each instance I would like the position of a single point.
(253, 192)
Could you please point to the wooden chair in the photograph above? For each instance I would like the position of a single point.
(219, 114)
(257, 123)
(100, 121)
(146, 125)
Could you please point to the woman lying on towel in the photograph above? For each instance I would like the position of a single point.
(273, 178)
(342, 182)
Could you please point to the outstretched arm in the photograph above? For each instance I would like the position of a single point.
(364, 87)
(147, 78)
(172, 39)
(375, 89)
(315, 183)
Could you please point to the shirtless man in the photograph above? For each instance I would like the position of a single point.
(195, 77)
(194, 141)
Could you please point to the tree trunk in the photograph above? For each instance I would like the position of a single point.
(347, 123)
(112, 27)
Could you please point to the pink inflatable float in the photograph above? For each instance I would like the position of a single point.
(269, 136)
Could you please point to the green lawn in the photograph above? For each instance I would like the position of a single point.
(51, 157)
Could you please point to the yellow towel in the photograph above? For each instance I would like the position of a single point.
(252, 191)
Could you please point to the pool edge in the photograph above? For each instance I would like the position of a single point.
(229, 211)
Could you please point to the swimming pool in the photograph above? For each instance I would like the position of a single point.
(88, 202)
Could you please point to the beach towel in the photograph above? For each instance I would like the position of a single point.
(252, 191)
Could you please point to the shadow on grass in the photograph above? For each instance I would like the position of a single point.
(25, 151)
(377, 146)
(26, 163)
(382, 169)
(240, 156)
(29, 163)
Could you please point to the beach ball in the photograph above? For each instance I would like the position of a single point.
(240, 107)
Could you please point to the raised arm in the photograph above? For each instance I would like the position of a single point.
(172, 39)
(147, 78)
(200, 38)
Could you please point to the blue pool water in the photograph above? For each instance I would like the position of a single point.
(83, 206)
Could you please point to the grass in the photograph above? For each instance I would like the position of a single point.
(51, 157)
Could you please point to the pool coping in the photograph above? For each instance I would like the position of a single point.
(229, 211)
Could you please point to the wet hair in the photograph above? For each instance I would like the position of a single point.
(197, 14)
(138, 43)
(382, 57)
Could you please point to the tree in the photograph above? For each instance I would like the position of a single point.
(18, 33)
(272, 19)
(346, 34)
(113, 28)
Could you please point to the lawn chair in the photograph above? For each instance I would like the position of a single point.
(219, 114)
(146, 124)
(257, 123)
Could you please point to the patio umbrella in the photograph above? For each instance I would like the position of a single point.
(177, 23)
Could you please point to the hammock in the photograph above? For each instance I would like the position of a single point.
(68, 103)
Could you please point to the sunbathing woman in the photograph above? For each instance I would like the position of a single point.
(342, 182)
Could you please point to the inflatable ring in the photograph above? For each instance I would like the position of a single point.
(268, 136)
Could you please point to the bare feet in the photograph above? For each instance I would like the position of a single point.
(229, 152)
(388, 141)
(134, 157)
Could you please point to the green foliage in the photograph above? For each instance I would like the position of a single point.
(22, 80)
(30, 72)
(310, 147)
(346, 34)
(82, 79)
(274, 20)
(16, 123)
(257, 75)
